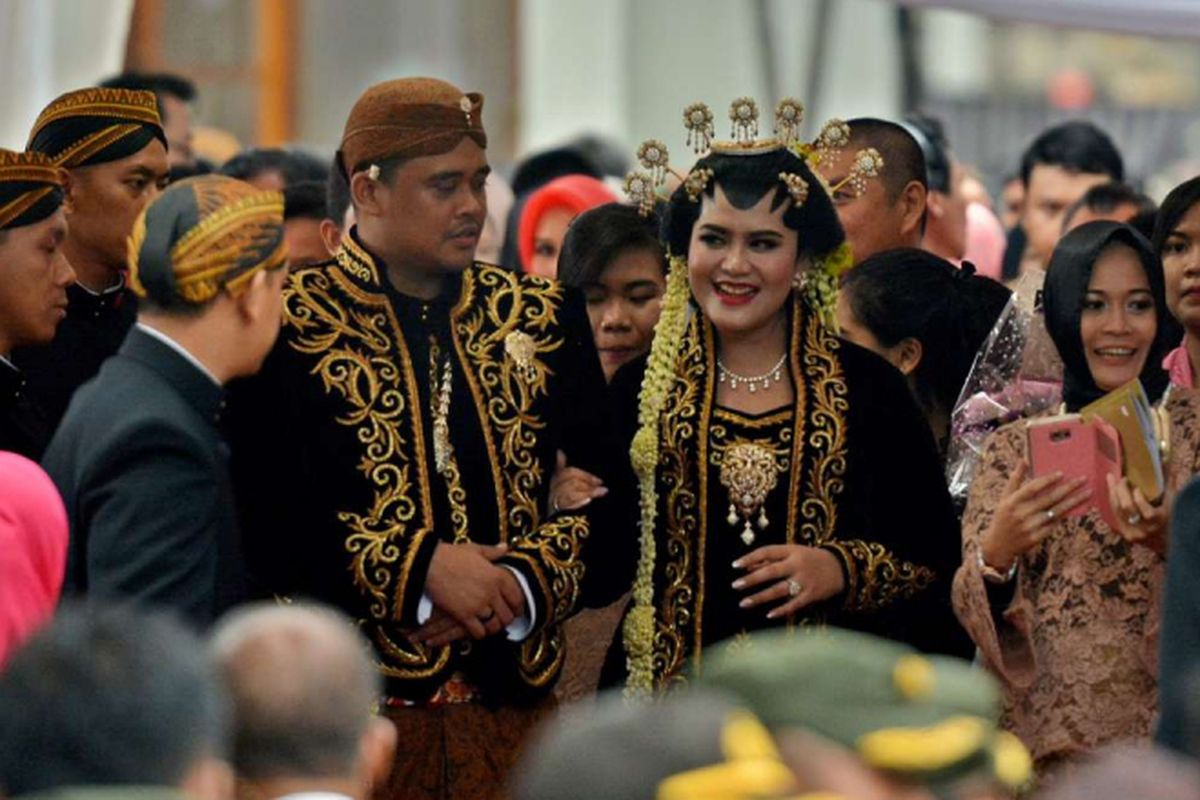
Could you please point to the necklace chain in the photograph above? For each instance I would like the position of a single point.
(753, 382)
(439, 397)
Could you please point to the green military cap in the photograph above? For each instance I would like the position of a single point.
(927, 718)
(698, 745)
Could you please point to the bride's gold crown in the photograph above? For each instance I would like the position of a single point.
(643, 185)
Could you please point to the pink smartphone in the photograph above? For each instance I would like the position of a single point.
(1077, 449)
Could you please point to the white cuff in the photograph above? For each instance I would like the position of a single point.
(517, 631)
(520, 628)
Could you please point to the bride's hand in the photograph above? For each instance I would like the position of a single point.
(796, 575)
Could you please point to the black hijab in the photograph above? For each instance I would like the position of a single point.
(1066, 287)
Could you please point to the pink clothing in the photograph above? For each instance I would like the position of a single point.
(1075, 649)
(33, 549)
(1179, 366)
(985, 241)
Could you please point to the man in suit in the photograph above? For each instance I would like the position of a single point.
(34, 277)
(139, 459)
(303, 685)
(112, 146)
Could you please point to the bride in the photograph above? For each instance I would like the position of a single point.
(786, 476)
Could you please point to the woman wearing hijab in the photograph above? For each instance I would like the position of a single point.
(1064, 609)
(33, 550)
(548, 213)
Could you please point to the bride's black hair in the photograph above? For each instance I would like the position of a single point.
(745, 180)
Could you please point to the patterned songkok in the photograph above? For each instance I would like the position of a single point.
(31, 188)
(94, 126)
(407, 118)
(203, 235)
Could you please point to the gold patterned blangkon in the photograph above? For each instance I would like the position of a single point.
(749, 473)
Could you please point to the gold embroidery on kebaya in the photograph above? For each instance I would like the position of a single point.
(801, 319)
(765, 421)
(827, 438)
(707, 400)
(689, 421)
(363, 360)
(680, 520)
(749, 465)
(877, 577)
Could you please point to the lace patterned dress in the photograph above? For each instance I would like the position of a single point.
(1074, 642)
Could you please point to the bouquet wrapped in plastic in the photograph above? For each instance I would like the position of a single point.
(1017, 374)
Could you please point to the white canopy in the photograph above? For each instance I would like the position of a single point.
(1178, 18)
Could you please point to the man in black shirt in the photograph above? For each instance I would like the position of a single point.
(111, 143)
(34, 278)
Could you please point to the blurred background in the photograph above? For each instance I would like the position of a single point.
(285, 72)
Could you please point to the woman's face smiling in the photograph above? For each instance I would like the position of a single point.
(1118, 323)
(741, 264)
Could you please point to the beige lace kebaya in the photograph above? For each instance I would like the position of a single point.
(1076, 649)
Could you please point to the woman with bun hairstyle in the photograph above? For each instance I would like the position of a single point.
(925, 316)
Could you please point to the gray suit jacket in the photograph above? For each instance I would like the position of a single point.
(142, 468)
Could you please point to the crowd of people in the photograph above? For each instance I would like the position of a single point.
(381, 476)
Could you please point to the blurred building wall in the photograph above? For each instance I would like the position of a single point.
(48, 47)
(347, 46)
(627, 68)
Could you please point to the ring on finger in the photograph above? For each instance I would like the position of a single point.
(1134, 518)
(491, 613)
(794, 587)
(1050, 515)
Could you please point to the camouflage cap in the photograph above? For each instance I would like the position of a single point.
(928, 718)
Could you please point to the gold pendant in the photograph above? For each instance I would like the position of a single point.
(521, 348)
(749, 473)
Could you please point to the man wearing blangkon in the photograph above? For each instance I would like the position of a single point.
(393, 458)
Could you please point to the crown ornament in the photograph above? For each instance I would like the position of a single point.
(643, 185)
(743, 113)
(698, 119)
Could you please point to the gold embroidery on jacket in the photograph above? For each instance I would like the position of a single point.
(361, 358)
(559, 571)
(506, 375)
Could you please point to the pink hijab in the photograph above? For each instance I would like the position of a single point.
(33, 550)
